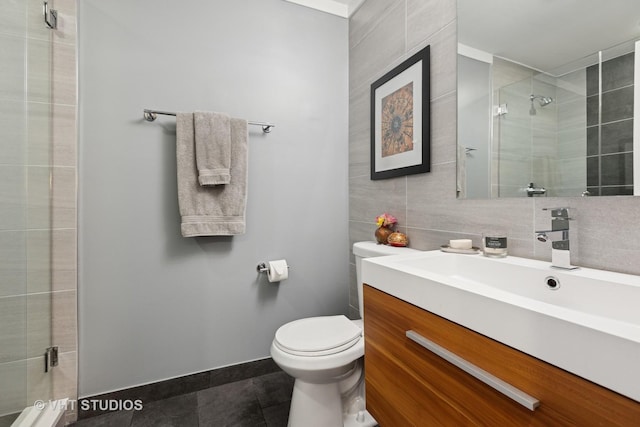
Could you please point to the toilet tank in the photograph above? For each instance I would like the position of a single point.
(372, 249)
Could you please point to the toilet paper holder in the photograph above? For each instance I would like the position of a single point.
(262, 267)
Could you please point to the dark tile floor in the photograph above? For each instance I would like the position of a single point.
(259, 401)
(7, 420)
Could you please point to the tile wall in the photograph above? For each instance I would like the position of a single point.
(571, 171)
(38, 221)
(382, 33)
(610, 131)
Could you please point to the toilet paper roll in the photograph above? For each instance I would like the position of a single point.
(277, 270)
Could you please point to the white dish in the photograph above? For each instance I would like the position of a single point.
(472, 251)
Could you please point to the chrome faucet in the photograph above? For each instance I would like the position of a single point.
(532, 190)
(560, 254)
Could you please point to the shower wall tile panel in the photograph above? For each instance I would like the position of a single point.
(63, 314)
(610, 127)
(38, 200)
(618, 72)
(14, 17)
(617, 169)
(13, 263)
(39, 382)
(13, 192)
(12, 123)
(14, 387)
(13, 327)
(64, 134)
(617, 137)
(13, 73)
(593, 114)
(38, 324)
(593, 83)
(593, 140)
(617, 191)
(63, 259)
(617, 104)
(38, 261)
(39, 133)
(593, 171)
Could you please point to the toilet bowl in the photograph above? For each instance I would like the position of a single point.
(328, 373)
(325, 356)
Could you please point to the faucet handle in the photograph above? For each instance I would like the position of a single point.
(562, 213)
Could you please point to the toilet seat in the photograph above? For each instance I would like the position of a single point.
(317, 336)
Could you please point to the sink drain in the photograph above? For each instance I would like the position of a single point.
(552, 282)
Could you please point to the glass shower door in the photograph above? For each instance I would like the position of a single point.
(541, 139)
(513, 140)
(25, 206)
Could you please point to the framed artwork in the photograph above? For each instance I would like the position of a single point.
(400, 120)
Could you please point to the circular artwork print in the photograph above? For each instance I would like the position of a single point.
(397, 121)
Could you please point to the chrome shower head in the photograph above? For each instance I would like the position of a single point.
(543, 101)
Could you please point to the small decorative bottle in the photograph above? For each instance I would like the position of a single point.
(385, 223)
(494, 244)
(382, 234)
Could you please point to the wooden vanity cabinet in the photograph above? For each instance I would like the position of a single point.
(408, 385)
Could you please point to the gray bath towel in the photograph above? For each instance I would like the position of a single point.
(213, 147)
(217, 210)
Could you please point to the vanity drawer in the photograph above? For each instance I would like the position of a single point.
(400, 370)
(400, 398)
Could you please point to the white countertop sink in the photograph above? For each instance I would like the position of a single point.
(588, 324)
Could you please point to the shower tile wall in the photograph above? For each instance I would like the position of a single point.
(37, 203)
(511, 137)
(544, 133)
(570, 173)
(610, 132)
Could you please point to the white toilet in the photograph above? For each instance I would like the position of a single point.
(325, 356)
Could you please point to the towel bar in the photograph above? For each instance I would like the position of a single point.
(151, 115)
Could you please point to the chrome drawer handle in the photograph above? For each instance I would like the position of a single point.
(529, 402)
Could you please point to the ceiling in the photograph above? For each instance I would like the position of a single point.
(343, 8)
(547, 34)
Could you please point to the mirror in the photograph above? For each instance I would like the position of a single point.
(546, 98)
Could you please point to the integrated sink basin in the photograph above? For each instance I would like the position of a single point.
(585, 321)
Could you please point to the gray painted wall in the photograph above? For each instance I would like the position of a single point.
(382, 33)
(152, 304)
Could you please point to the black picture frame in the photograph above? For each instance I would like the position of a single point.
(400, 119)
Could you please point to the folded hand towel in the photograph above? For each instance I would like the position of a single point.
(213, 147)
(217, 210)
